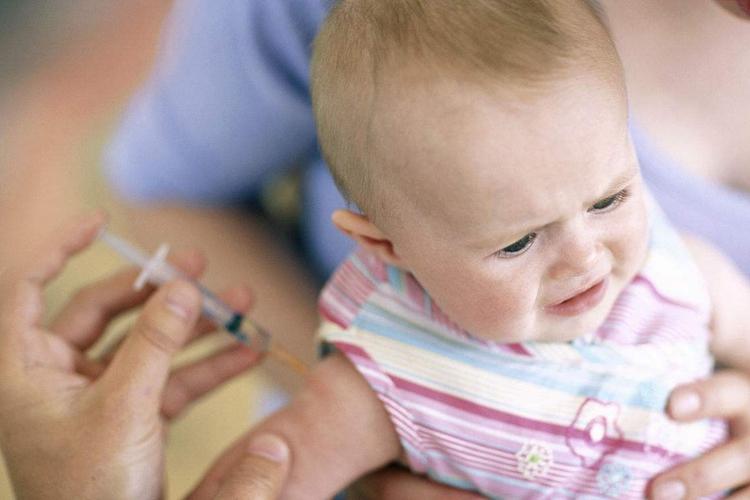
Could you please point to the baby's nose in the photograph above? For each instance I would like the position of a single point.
(575, 259)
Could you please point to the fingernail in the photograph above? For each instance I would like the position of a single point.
(685, 403)
(671, 490)
(180, 300)
(270, 447)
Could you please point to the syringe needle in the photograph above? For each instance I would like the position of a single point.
(287, 358)
(270, 347)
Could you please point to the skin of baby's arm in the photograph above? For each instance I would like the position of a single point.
(730, 296)
(337, 430)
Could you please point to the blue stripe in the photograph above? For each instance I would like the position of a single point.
(571, 378)
(396, 278)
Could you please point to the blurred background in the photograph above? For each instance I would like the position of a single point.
(67, 69)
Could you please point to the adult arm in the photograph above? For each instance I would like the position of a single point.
(225, 109)
(337, 430)
(226, 106)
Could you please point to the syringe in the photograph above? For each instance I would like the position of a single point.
(156, 270)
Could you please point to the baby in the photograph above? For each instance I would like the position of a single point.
(519, 310)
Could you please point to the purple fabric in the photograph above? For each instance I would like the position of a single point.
(716, 213)
(227, 108)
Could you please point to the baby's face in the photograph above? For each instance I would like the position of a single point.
(523, 220)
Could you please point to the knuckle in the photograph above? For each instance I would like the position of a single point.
(253, 477)
(178, 397)
(262, 479)
(744, 447)
(14, 290)
(158, 330)
(19, 297)
(698, 480)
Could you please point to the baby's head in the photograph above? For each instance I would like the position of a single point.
(486, 144)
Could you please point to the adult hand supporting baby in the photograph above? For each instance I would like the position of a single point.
(73, 427)
(726, 395)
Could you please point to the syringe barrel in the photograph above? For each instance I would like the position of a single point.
(214, 308)
(243, 329)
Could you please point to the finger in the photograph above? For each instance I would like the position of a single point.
(47, 262)
(396, 483)
(212, 480)
(189, 383)
(743, 494)
(86, 316)
(141, 366)
(111, 347)
(261, 472)
(722, 468)
(725, 395)
(21, 300)
(238, 298)
(740, 8)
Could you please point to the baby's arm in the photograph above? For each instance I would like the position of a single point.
(730, 296)
(337, 430)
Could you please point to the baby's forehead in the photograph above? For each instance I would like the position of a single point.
(462, 153)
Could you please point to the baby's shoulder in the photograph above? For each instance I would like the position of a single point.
(351, 286)
(670, 267)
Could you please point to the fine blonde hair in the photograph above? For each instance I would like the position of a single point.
(521, 43)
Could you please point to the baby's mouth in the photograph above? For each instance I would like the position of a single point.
(581, 301)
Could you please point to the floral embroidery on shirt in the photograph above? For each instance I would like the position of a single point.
(594, 432)
(534, 460)
(613, 479)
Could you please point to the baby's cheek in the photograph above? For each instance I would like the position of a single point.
(485, 305)
(494, 310)
(626, 237)
(630, 253)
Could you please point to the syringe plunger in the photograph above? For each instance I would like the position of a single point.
(157, 270)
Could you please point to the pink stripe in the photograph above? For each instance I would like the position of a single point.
(372, 264)
(466, 410)
(563, 457)
(517, 349)
(329, 315)
(352, 277)
(471, 407)
(335, 296)
(354, 290)
(351, 349)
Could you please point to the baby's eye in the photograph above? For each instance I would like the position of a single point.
(518, 247)
(610, 203)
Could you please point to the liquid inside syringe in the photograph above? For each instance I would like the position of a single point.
(156, 270)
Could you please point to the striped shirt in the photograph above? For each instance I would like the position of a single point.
(581, 419)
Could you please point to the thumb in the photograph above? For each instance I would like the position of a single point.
(141, 365)
(261, 472)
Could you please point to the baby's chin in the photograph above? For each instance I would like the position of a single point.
(555, 335)
(550, 328)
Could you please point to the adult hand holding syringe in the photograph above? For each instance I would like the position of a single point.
(156, 270)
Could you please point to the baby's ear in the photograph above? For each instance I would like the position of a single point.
(359, 228)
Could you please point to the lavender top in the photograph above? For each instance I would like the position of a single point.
(227, 108)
